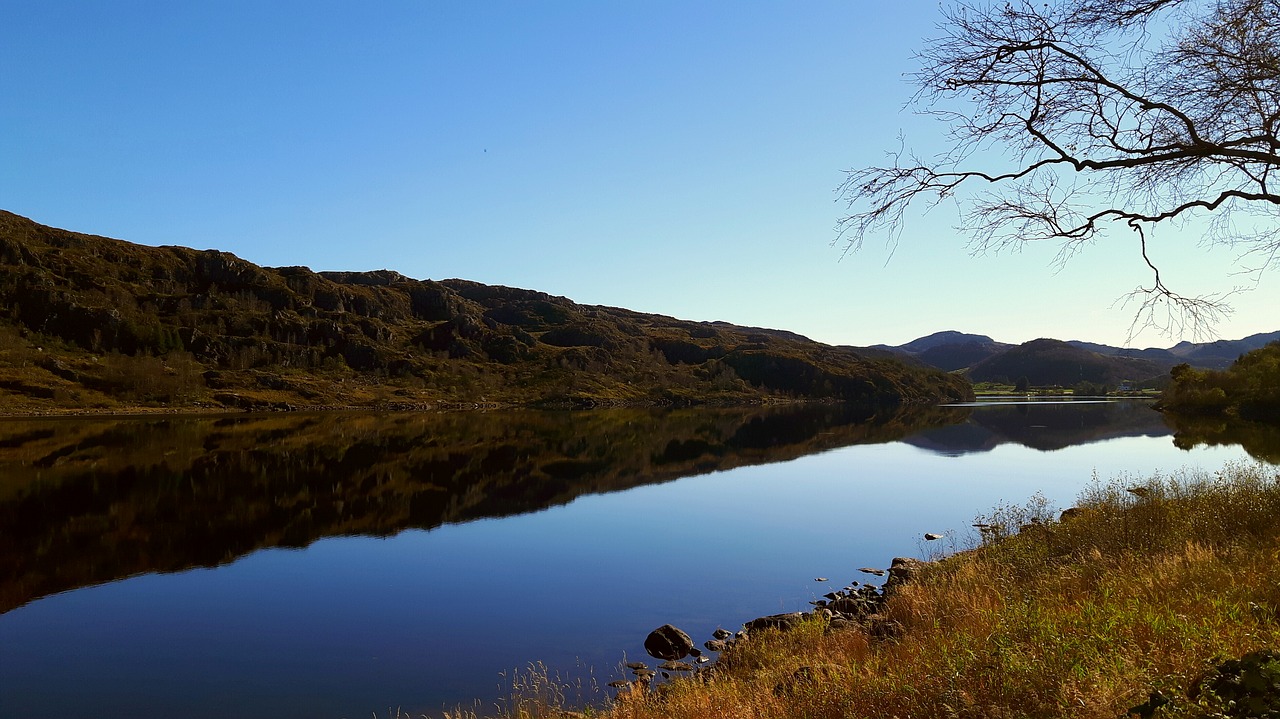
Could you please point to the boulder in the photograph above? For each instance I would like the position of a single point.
(840, 624)
(884, 628)
(853, 606)
(901, 571)
(668, 642)
(781, 622)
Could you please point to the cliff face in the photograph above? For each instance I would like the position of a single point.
(96, 322)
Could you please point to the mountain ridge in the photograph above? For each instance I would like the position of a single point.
(983, 359)
(95, 323)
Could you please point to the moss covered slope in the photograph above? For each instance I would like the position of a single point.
(91, 322)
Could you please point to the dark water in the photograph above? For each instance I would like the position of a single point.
(344, 565)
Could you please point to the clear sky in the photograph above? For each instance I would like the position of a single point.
(671, 157)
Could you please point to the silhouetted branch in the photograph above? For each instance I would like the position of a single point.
(1080, 117)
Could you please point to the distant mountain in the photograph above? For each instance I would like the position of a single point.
(950, 358)
(949, 350)
(1205, 355)
(1220, 354)
(985, 358)
(1046, 362)
(89, 322)
(941, 339)
(1154, 354)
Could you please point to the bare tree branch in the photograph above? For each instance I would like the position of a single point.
(1138, 112)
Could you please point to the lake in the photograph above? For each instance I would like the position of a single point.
(349, 564)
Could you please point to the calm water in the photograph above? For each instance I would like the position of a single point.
(343, 565)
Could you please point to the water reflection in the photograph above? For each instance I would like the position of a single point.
(364, 620)
(1043, 425)
(84, 502)
(1261, 441)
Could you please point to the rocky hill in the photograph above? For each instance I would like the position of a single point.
(1046, 362)
(90, 322)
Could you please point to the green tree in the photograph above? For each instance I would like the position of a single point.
(1070, 117)
(1090, 389)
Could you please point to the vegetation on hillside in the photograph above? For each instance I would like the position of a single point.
(1048, 362)
(94, 323)
(1249, 389)
(1139, 603)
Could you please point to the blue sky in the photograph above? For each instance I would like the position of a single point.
(670, 157)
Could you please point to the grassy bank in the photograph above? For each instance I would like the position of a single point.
(1146, 588)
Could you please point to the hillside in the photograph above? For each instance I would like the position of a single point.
(93, 323)
(1220, 354)
(1046, 362)
(951, 351)
(1247, 390)
(943, 339)
(947, 350)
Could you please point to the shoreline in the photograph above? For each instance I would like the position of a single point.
(410, 407)
(1151, 600)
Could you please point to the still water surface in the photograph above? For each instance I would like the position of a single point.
(344, 565)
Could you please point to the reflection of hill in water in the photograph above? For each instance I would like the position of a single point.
(88, 501)
(1042, 425)
(1261, 441)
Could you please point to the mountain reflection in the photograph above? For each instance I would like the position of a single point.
(86, 501)
(1045, 426)
(89, 501)
(1261, 441)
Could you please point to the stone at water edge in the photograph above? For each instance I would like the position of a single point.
(851, 605)
(903, 570)
(668, 642)
(722, 633)
(781, 622)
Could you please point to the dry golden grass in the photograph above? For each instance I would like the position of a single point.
(1078, 618)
